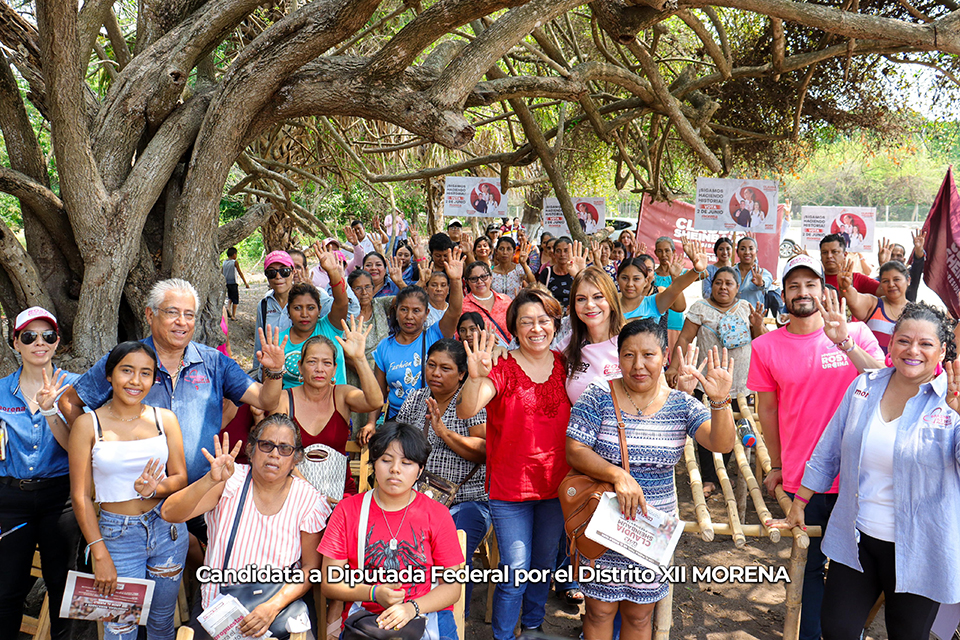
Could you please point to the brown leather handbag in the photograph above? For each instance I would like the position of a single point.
(580, 495)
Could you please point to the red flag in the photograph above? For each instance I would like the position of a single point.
(941, 271)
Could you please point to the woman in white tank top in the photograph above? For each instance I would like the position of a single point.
(131, 456)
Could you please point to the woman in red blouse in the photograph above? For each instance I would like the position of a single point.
(527, 416)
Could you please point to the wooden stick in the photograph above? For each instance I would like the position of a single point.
(798, 562)
(764, 457)
(663, 616)
(704, 526)
(752, 530)
(738, 538)
(755, 494)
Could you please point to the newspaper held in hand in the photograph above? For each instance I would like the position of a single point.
(129, 606)
(222, 618)
(649, 540)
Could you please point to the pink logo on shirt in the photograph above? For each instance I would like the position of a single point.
(861, 393)
(833, 360)
(196, 377)
(938, 418)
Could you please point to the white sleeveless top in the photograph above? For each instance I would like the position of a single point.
(118, 463)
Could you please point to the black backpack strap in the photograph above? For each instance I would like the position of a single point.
(236, 518)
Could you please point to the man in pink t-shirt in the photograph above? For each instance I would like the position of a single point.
(801, 372)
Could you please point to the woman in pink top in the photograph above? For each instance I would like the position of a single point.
(485, 301)
(527, 416)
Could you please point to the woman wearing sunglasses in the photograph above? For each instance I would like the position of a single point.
(272, 310)
(132, 454)
(280, 515)
(34, 479)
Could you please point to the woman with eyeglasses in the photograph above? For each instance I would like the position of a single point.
(527, 416)
(399, 358)
(132, 455)
(484, 300)
(272, 505)
(34, 473)
(272, 311)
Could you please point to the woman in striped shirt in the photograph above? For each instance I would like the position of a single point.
(280, 519)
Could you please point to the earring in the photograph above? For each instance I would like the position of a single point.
(939, 369)
(888, 361)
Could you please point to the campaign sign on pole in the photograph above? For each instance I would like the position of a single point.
(855, 224)
(591, 212)
(736, 205)
(466, 196)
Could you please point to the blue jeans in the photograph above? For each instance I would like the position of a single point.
(527, 533)
(144, 547)
(563, 561)
(475, 520)
(816, 513)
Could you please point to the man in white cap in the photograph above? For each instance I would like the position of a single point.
(801, 372)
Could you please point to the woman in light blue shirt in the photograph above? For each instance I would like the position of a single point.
(895, 443)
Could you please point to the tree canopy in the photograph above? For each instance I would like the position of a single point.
(159, 108)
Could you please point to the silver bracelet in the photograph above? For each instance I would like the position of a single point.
(47, 413)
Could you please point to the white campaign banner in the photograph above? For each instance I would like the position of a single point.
(856, 224)
(466, 196)
(725, 204)
(591, 212)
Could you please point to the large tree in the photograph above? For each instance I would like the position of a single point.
(152, 123)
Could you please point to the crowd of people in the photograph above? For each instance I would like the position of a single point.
(498, 365)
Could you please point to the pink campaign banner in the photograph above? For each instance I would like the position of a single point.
(941, 271)
(675, 220)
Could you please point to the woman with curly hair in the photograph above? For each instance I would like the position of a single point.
(895, 444)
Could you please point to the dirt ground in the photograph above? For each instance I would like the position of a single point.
(701, 611)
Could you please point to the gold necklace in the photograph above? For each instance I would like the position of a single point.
(630, 398)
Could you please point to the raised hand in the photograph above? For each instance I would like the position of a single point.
(271, 354)
(756, 276)
(351, 236)
(642, 249)
(417, 246)
(152, 476)
(834, 312)
(697, 254)
(354, 340)
(51, 390)
(595, 252)
(756, 315)
(455, 262)
(884, 251)
(525, 249)
(328, 259)
(919, 237)
(395, 269)
(685, 380)
(797, 250)
(953, 384)
(845, 277)
(675, 267)
(717, 379)
(221, 462)
(480, 354)
(578, 258)
(426, 270)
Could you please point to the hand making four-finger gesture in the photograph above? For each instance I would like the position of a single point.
(146, 484)
(47, 395)
(834, 312)
(480, 354)
(271, 354)
(717, 379)
(223, 458)
(685, 380)
(354, 340)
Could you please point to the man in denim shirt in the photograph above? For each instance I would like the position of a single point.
(192, 381)
(800, 372)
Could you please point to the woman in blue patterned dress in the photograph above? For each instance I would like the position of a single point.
(658, 421)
